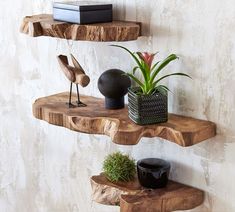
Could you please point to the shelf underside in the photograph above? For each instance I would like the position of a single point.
(44, 25)
(95, 119)
(132, 197)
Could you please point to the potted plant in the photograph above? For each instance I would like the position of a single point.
(119, 167)
(147, 103)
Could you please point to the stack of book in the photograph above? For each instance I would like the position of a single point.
(82, 12)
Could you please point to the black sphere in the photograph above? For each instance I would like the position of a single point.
(114, 84)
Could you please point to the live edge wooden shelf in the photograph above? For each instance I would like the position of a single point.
(95, 119)
(131, 197)
(44, 25)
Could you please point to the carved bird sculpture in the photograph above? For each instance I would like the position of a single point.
(76, 75)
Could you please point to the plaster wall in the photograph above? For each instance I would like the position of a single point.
(44, 168)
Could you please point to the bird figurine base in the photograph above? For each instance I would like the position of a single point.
(80, 104)
(70, 105)
(77, 104)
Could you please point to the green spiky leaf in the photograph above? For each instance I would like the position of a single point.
(168, 75)
(162, 65)
(135, 79)
(135, 69)
(155, 65)
(136, 60)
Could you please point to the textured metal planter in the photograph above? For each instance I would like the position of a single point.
(147, 109)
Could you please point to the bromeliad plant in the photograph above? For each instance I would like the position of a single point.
(150, 72)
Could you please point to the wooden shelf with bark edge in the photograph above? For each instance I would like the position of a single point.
(95, 119)
(131, 197)
(44, 25)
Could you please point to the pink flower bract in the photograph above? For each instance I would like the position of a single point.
(147, 58)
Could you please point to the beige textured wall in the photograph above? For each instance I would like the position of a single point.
(44, 168)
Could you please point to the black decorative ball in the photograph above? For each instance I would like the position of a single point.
(114, 84)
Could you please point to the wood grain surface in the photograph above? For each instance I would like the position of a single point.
(44, 25)
(95, 119)
(133, 198)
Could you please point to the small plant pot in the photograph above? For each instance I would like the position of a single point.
(147, 109)
(153, 172)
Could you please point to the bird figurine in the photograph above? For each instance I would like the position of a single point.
(76, 75)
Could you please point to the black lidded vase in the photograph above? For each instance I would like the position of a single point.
(153, 172)
(114, 84)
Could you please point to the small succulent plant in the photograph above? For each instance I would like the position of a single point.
(119, 167)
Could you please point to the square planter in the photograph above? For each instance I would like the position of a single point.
(147, 109)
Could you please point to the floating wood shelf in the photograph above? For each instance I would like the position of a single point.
(132, 197)
(44, 25)
(95, 119)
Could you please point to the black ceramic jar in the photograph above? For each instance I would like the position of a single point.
(153, 172)
(114, 84)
